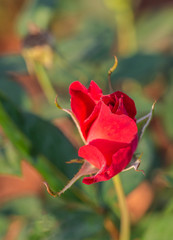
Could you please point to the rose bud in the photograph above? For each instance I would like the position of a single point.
(108, 126)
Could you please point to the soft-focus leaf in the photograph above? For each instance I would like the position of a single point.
(142, 67)
(29, 210)
(167, 175)
(62, 222)
(34, 137)
(15, 135)
(79, 224)
(12, 63)
(158, 227)
(8, 65)
(9, 159)
(154, 29)
(4, 223)
(166, 112)
(39, 11)
(92, 43)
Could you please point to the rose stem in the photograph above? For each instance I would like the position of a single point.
(110, 84)
(110, 72)
(125, 222)
(44, 82)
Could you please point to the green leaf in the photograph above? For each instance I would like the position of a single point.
(9, 159)
(4, 223)
(91, 44)
(154, 28)
(140, 66)
(54, 219)
(29, 210)
(79, 224)
(166, 112)
(159, 227)
(39, 11)
(13, 64)
(12, 131)
(39, 142)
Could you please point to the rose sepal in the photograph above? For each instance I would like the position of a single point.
(69, 111)
(143, 122)
(86, 169)
(134, 163)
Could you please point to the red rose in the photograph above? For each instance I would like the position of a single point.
(108, 125)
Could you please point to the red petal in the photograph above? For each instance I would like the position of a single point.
(92, 155)
(82, 104)
(107, 148)
(94, 91)
(113, 127)
(128, 104)
(110, 157)
(119, 161)
(89, 121)
(121, 108)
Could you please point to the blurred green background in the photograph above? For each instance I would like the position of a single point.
(44, 46)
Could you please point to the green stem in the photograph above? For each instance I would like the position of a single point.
(44, 82)
(125, 221)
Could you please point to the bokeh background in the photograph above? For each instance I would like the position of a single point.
(44, 46)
